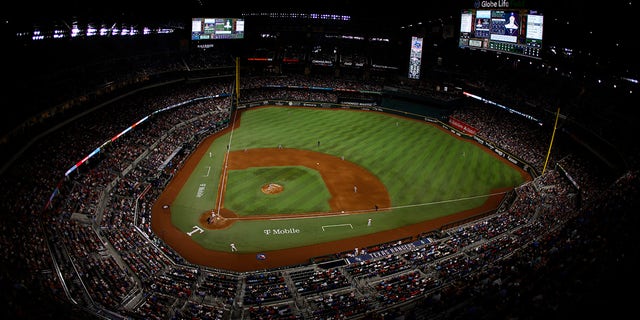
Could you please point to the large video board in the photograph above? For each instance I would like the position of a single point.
(514, 31)
(217, 28)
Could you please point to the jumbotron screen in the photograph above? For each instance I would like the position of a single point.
(217, 28)
(514, 31)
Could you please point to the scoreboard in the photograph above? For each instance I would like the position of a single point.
(514, 31)
(217, 28)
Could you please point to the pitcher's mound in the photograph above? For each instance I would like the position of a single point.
(272, 188)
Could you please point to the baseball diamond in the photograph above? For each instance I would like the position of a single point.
(411, 176)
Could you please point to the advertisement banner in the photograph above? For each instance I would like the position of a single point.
(462, 126)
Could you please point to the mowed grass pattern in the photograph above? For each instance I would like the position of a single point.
(419, 163)
(428, 173)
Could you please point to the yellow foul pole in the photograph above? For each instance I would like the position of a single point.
(553, 135)
(237, 80)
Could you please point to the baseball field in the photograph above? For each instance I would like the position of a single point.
(281, 185)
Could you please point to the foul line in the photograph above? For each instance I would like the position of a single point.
(337, 225)
(311, 216)
(225, 162)
(352, 212)
(446, 201)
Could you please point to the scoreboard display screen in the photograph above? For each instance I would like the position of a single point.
(514, 31)
(217, 28)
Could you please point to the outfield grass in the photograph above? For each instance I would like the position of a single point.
(428, 173)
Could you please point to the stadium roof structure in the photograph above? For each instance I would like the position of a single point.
(146, 9)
